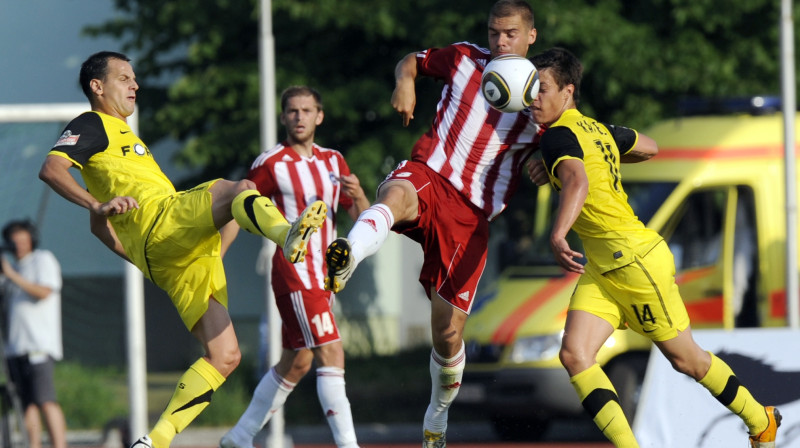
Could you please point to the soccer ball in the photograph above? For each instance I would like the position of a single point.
(510, 83)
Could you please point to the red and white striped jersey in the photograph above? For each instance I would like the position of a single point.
(480, 150)
(292, 182)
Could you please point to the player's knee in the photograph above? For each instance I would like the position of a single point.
(401, 199)
(234, 359)
(445, 329)
(575, 360)
(300, 368)
(227, 362)
(566, 358)
(232, 188)
(447, 342)
(244, 184)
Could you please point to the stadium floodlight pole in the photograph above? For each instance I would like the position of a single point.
(135, 334)
(790, 148)
(266, 66)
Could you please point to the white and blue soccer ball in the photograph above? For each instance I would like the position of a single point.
(510, 83)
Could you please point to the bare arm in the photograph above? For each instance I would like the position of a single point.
(102, 229)
(351, 187)
(32, 289)
(228, 233)
(404, 97)
(55, 173)
(574, 188)
(645, 149)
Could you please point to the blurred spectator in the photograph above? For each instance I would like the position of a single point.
(33, 292)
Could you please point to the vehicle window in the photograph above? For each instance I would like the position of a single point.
(645, 198)
(514, 241)
(745, 260)
(694, 233)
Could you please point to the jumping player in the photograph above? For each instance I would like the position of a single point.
(461, 174)
(173, 237)
(629, 279)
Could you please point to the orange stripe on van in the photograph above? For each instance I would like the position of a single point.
(777, 309)
(506, 331)
(706, 311)
(688, 276)
(720, 152)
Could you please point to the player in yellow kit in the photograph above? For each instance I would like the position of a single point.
(176, 238)
(629, 277)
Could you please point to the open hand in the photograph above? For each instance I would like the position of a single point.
(565, 256)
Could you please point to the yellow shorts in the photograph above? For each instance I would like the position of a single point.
(183, 253)
(642, 295)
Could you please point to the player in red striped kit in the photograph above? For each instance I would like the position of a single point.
(293, 174)
(460, 176)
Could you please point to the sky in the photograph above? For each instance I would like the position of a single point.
(41, 47)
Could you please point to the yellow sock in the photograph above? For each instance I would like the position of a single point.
(192, 395)
(258, 215)
(726, 388)
(600, 400)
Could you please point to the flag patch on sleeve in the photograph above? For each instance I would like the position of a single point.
(67, 139)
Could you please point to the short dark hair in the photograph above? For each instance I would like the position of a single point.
(564, 66)
(294, 91)
(96, 67)
(17, 225)
(507, 8)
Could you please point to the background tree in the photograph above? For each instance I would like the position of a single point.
(197, 62)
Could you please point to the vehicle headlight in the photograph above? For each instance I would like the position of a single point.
(537, 348)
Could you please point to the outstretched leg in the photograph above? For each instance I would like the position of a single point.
(257, 214)
(584, 333)
(206, 375)
(715, 375)
(397, 202)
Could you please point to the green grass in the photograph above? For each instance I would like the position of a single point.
(90, 396)
(385, 389)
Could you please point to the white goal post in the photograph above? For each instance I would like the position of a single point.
(134, 284)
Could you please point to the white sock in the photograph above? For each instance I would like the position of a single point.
(336, 406)
(370, 231)
(446, 380)
(269, 396)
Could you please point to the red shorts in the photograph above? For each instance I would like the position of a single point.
(307, 319)
(453, 233)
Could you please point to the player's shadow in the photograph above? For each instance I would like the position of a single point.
(769, 386)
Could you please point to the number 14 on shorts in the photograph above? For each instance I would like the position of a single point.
(644, 316)
(323, 323)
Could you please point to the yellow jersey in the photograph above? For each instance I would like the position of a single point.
(610, 231)
(113, 162)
